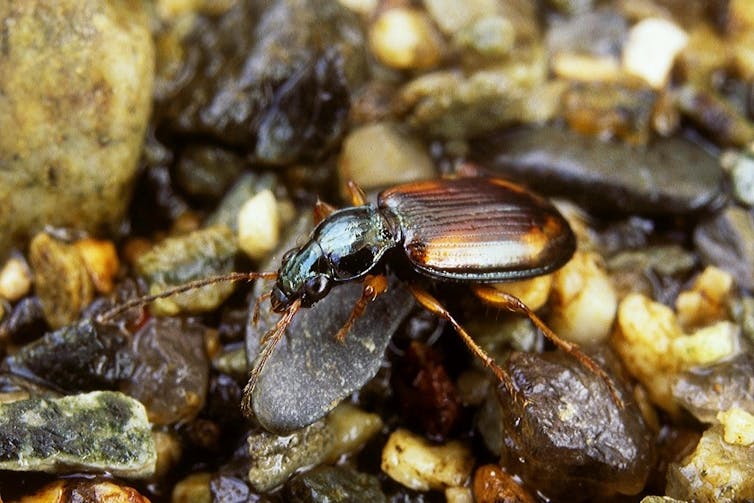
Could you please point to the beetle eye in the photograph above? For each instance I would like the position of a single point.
(288, 255)
(317, 287)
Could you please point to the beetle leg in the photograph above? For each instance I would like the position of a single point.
(260, 299)
(511, 303)
(321, 211)
(358, 198)
(433, 305)
(374, 286)
(268, 343)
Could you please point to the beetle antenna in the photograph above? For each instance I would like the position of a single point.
(108, 315)
(269, 341)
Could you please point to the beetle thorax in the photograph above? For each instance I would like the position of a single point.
(345, 246)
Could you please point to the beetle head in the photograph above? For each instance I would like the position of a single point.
(304, 274)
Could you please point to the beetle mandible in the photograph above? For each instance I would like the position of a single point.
(474, 230)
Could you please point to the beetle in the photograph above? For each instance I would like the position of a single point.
(469, 230)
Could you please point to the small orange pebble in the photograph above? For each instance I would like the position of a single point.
(101, 261)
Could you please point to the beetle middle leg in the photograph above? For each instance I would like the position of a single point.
(511, 303)
(434, 306)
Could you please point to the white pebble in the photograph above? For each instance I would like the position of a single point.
(406, 39)
(259, 225)
(15, 279)
(584, 300)
(738, 426)
(411, 460)
(651, 49)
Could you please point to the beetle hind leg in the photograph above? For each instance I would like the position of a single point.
(430, 303)
(512, 303)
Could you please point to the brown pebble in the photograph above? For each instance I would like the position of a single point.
(493, 485)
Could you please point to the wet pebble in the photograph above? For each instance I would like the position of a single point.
(571, 438)
(492, 484)
(193, 489)
(207, 171)
(272, 78)
(25, 322)
(61, 279)
(727, 241)
(80, 357)
(101, 261)
(79, 73)
(670, 176)
(452, 16)
(717, 471)
(450, 105)
(654, 347)
(89, 490)
(259, 225)
(405, 39)
(584, 300)
(334, 484)
(171, 369)
(741, 169)
(178, 260)
(715, 115)
(310, 372)
(417, 464)
(708, 390)
(707, 300)
(381, 154)
(98, 431)
(15, 278)
(651, 48)
(274, 458)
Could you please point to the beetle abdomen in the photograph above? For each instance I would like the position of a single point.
(481, 229)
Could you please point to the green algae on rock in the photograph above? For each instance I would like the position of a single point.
(98, 431)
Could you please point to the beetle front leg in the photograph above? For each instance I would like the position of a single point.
(431, 304)
(511, 303)
(374, 286)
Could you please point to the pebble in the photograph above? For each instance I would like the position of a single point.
(726, 240)
(715, 115)
(651, 48)
(488, 39)
(568, 436)
(178, 260)
(584, 300)
(451, 16)
(259, 225)
(170, 370)
(77, 93)
(716, 471)
(89, 490)
(271, 79)
(101, 261)
(206, 171)
(706, 391)
(412, 461)
(275, 458)
(310, 372)
(533, 292)
(193, 489)
(449, 105)
(15, 278)
(708, 345)
(382, 154)
(738, 426)
(98, 431)
(741, 169)
(405, 39)
(61, 280)
(707, 300)
(671, 176)
(80, 357)
(334, 484)
(492, 485)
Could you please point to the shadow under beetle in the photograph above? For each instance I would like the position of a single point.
(473, 231)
